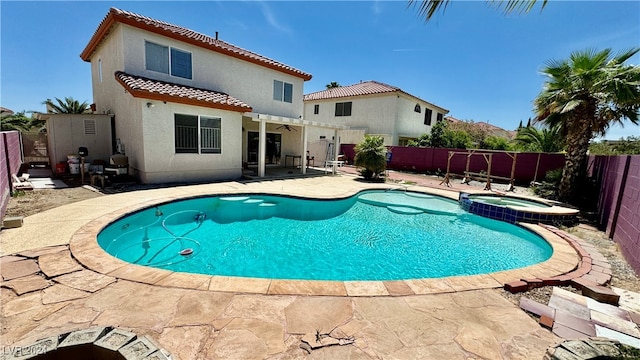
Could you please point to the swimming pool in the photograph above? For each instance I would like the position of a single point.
(374, 235)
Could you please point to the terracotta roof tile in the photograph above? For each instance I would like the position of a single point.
(160, 90)
(360, 89)
(182, 34)
(363, 88)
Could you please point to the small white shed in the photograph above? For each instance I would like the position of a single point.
(66, 133)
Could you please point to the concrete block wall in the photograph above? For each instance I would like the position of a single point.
(619, 202)
(529, 166)
(627, 227)
(10, 162)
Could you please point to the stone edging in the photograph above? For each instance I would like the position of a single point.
(85, 250)
(592, 270)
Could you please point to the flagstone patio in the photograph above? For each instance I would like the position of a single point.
(51, 288)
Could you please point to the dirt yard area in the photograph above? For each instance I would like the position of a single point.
(29, 202)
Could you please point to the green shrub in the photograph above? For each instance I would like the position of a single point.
(371, 157)
(548, 188)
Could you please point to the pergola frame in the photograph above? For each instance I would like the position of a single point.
(468, 175)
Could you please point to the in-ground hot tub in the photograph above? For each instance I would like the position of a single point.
(515, 209)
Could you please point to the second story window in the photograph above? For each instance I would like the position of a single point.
(316, 109)
(343, 109)
(439, 117)
(427, 116)
(417, 108)
(282, 91)
(167, 60)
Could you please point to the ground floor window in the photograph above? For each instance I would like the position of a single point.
(198, 134)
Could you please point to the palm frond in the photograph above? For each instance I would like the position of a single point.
(428, 8)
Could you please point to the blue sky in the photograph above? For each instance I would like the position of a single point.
(473, 60)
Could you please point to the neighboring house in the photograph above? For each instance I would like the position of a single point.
(189, 107)
(373, 108)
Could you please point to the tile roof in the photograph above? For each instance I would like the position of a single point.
(182, 34)
(142, 87)
(363, 88)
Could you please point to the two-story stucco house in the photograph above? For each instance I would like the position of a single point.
(373, 108)
(189, 107)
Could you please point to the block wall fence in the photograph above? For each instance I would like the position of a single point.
(529, 166)
(619, 201)
(10, 162)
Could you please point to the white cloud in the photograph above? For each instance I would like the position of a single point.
(272, 20)
(376, 8)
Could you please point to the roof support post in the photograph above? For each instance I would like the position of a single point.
(336, 144)
(305, 159)
(262, 148)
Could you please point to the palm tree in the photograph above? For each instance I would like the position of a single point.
(332, 85)
(584, 96)
(371, 157)
(542, 140)
(68, 106)
(429, 7)
(20, 122)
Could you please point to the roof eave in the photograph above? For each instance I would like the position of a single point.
(145, 94)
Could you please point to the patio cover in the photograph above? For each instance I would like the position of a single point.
(263, 119)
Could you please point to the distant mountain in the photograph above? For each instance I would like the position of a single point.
(490, 129)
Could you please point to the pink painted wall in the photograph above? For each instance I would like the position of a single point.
(432, 159)
(619, 201)
(10, 161)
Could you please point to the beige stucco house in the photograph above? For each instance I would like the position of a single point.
(371, 108)
(189, 107)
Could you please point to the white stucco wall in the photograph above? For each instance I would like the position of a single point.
(388, 115)
(162, 164)
(110, 57)
(244, 80)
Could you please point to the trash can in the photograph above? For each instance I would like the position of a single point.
(61, 167)
(74, 168)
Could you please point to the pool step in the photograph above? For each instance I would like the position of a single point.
(234, 198)
(404, 210)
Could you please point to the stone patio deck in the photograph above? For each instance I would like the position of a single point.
(55, 279)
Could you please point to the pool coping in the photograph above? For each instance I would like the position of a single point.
(84, 247)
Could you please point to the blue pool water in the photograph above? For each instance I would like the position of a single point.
(374, 235)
